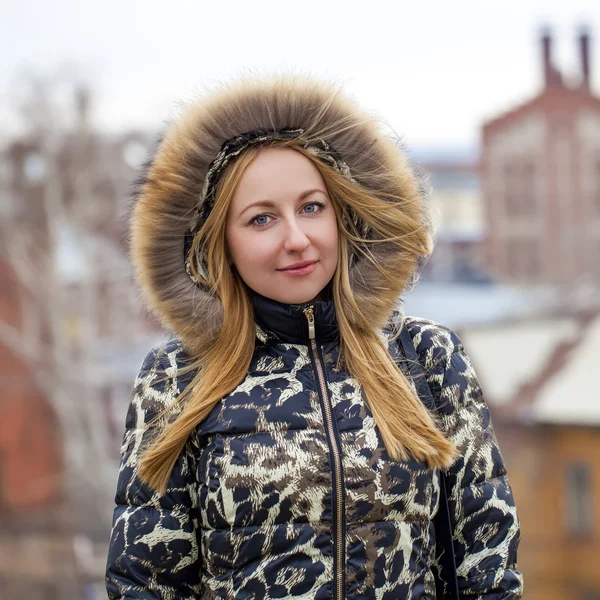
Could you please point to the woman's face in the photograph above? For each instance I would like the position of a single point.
(281, 227)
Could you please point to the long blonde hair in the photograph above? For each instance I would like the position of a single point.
(221, 364)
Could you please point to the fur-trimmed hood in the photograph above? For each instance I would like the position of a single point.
(172, 186)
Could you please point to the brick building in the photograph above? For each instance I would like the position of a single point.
(28, 479)
(541, 180)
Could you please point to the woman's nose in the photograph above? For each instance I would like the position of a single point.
(296, 240)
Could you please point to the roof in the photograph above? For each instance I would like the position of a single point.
(508, 357)
(541, 370)
(552, 99)
(571, 395)
(535, 352)
(462, 305)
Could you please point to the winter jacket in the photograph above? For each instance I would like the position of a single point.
(286, 490)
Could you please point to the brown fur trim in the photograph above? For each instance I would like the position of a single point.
(171, 188)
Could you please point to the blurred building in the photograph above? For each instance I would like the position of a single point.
(456, 210)
(541, 180)
(72, 338)
(537, 376)
(530, 218)
(27, 479)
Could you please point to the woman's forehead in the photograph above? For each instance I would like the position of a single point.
(277, 174)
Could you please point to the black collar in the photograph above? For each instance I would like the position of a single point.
(288, 322)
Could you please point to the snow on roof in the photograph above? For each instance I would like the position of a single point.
(572, 396)
(509, 356)
(459, 305)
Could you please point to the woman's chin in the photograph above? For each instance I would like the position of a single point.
(289, 297)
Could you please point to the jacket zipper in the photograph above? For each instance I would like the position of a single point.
(337, 463)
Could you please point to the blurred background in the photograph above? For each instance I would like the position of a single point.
(498, 105)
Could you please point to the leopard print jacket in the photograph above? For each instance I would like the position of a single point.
(286, 490)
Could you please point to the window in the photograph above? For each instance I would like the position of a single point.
(510, 190)
(596, 188)
(519, 187)
(523, 259)
(528, 189)
(531, 259)
(579, 499)
(512, 258)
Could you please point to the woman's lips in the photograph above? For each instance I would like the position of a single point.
(305, 270)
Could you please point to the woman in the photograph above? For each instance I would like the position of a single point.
(277, 447)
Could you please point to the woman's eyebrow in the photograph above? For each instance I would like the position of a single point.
(264, 203)
(309, 192)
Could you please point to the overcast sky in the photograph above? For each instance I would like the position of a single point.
(433, 69)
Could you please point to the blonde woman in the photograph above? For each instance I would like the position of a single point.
(299, 437)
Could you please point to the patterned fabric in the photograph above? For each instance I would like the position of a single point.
(249, 509)
(229, 152)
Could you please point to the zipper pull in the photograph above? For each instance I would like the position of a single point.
(310, 316)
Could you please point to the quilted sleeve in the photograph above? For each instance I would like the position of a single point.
(153, 552)
(485, 522)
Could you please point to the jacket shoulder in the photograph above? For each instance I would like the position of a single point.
(169, 354)
(434, 342)
(158, 383)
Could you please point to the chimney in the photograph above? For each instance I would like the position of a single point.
(552, 76)
(547, 56)
(584, 56)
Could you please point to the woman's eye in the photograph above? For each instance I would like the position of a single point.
(260, 220)
(308, 209)
(314, 207)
